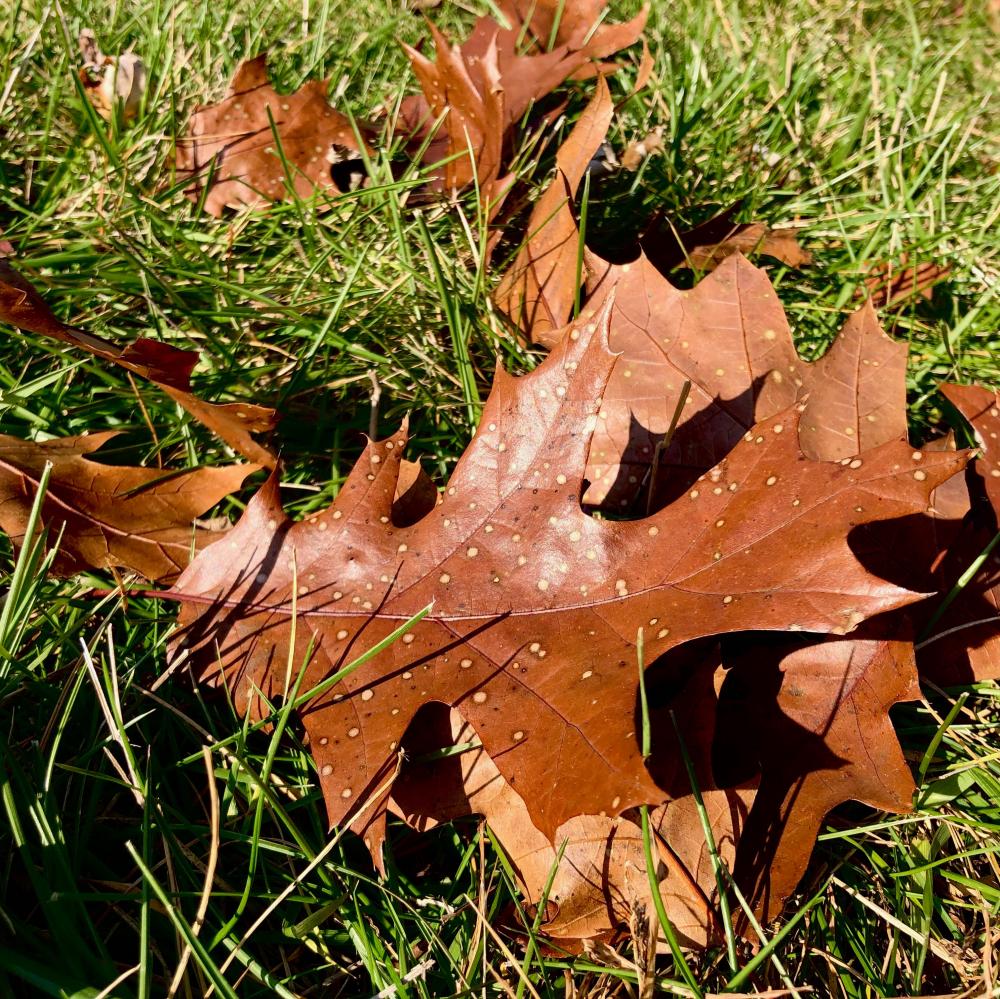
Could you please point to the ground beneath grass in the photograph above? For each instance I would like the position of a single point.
(870, 127)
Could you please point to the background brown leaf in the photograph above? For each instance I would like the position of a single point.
(167, 367)
(233, 149)
(110, 516)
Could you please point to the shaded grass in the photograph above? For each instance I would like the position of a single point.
(866, 125)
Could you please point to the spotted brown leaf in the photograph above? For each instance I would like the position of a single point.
(534, 605)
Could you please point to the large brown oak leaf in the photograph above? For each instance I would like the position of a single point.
(535, 605)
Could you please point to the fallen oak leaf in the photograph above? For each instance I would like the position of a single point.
(890, 286)
(538, 291)
(533, 605)
(167, 367)
(470, 99)
(110, 516)
(231, 153)
(480, 89)
(578, 25)
(814, 718)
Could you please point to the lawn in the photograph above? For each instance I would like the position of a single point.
(151, 842)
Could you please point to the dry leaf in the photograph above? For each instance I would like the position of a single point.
(480, 89)
(107, 516)
(535, 605)
(255, 143)
(470, 98)
(705, 246)
(963, 644)
(165, 366)
(111, 81)
(891, 286)
(539, 289)
(639, 150)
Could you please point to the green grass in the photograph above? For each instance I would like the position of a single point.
(867, 125)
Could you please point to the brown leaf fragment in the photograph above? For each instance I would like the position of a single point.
(814, 718)
(639, 150)
(892, 286)
(478, 90)
(531, 606)
(166, 366)
(233, 422)
(110, 516)
(705, 246)
(539, 289)
(963, 643)
(981, 409)
(748, 238)
(416, 494)
(111, 81)
(250, 146)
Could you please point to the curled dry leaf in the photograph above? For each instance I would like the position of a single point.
(110, 516)
(578, 25)
(111, 81)
(469, 98)
(165, 366)
(535, 605)
(478, 90)
(247, 149)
